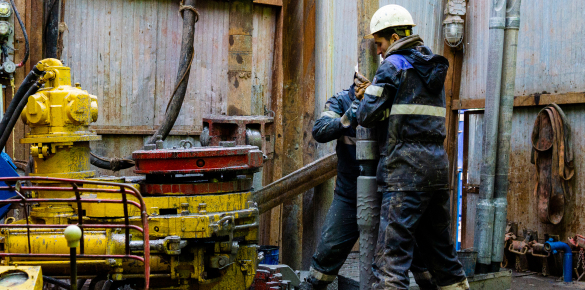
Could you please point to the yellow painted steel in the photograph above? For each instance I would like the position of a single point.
(21, 278)
(197, 242)
(59, 116)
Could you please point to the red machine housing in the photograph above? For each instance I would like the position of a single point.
(197, 160)
(207, 170)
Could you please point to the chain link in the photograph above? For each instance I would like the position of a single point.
(518, 263)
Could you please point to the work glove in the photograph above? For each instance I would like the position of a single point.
(349, 118)
(361, 83)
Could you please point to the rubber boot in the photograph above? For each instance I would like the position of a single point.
(463, 285)
(425, 280)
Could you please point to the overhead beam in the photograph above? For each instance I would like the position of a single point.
(525, 101)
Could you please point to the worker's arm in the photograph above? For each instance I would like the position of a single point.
(329, 126)
(379, 96)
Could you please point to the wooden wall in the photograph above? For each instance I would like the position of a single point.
(127, 53)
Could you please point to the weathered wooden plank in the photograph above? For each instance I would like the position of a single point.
(526, 101)
(269, 2)
(161, 55)
(240, 58)
(310, 235)
(293, 38)
(276, 105)
(142, 130)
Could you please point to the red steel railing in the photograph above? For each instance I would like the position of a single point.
(76, 186)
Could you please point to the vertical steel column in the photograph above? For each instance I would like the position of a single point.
(505, 130)
(368, 203)
(368, 199)
(485, 207)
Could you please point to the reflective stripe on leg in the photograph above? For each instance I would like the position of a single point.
(321, 276)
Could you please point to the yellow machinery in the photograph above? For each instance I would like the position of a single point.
(192, 203)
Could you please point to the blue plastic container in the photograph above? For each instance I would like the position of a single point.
(270, 255)
(468, 259)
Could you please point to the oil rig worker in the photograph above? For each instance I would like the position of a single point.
(340, 231)
(406, 105)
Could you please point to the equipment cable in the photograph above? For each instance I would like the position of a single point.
(176, 101)
(26, 45)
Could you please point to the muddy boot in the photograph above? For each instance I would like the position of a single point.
(314, 283)
(425, 280)
(463, 285)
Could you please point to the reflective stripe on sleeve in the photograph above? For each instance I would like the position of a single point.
(418, 110)
(330, 114)
(374, 90)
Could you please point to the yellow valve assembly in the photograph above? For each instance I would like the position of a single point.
(59, 116)
(202, 229)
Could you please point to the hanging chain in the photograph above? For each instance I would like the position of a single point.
(518, 263)
(544, 269)
(582, 259)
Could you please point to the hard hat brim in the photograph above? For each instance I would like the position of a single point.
(371, 35)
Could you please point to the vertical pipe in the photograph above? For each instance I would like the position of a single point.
(505, 130)
(368, 199)
(485, 207)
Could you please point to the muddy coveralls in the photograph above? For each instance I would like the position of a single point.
(406, 104)
(340, 230)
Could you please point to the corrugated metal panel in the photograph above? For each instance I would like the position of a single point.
(335, 53)
(127, 53)
(428, 17)
(336, 43)
(550, 58)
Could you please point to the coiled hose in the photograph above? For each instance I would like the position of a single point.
(14, 117)
(176, 102)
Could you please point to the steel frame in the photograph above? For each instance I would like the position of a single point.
(15, 184)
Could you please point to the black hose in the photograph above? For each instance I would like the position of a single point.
(80, 283)
(56, 282)
(28, 81)
(8, 130)
(26, 46)
(51, 29)
(190, 17)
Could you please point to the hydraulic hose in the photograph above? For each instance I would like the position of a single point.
(26, 45)
(190, 17)
(28, 81)
(8, 130)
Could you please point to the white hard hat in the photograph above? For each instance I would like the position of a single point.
(389, 16)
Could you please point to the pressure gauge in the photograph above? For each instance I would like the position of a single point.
(5, 28)
(5, 9)
(9, 66)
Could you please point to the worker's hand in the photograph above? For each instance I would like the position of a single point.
(361, 83)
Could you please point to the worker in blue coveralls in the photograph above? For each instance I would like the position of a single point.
(340, 231)
(406, 105)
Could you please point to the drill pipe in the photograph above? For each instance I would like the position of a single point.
(296, 183)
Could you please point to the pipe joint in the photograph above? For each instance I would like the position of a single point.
(513, 22)
(497, 23)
